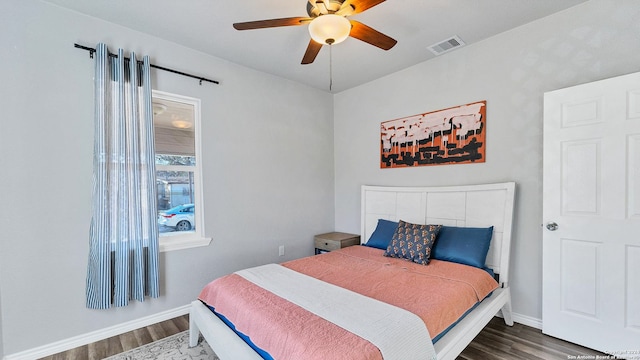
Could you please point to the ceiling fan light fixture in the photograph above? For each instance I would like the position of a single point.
(159, 108)
(181, 124)
(329, 29)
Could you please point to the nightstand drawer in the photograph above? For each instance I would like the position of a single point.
(334, 241)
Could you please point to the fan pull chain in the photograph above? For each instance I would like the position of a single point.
(330, 68)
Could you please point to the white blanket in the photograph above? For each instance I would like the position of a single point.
(397, 333)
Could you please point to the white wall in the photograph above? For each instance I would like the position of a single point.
(267, 166)
(595, 40)
(1, 337)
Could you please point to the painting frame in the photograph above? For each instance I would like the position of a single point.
(455, 135)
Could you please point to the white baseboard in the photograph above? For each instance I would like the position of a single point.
(525, 320)
(528, 320)
(84, 339)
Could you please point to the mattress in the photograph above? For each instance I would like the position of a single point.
(439, 293)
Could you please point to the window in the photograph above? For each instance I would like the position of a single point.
(176, 122)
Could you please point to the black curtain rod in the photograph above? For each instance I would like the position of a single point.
(92, 50)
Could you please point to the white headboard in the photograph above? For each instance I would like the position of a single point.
(468, 206)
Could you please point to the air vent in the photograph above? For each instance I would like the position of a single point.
(446, 45)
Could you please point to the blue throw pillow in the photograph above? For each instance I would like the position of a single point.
(463, 245)
(382, 235)
(413, 242)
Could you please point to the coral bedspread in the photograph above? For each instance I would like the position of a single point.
(439, 293)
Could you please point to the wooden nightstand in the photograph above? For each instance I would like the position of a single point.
(334, 241)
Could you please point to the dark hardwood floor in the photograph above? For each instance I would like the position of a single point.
(127, 341)
(496, 342)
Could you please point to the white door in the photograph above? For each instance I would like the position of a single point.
(591, 259)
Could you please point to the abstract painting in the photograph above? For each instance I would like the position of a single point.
(450, 136)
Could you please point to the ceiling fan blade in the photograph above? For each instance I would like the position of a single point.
(261, 24)
(362, 32)
(312, 51)
(362, 5)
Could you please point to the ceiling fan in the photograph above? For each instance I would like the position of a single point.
(328, 24)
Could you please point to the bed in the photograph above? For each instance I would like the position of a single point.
(454, 207)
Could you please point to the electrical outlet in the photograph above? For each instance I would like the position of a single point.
(281, 250)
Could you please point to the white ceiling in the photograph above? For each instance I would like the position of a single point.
(206, 25)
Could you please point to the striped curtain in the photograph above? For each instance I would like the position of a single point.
(123, 253)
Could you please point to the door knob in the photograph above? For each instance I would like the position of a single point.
(552, 226)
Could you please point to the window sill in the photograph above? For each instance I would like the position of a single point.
(171, 243)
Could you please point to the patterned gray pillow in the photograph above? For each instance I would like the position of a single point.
(413, 242)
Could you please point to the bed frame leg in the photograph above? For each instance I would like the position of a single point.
(194, 332)
(506, 311)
